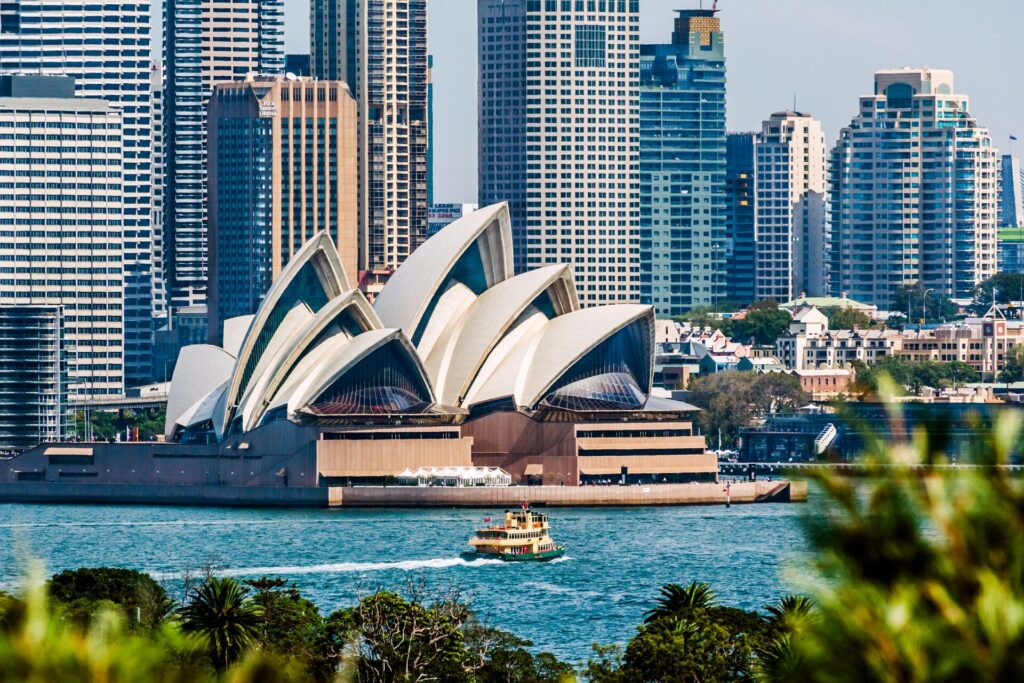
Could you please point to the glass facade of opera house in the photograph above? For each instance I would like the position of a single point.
(458, 362)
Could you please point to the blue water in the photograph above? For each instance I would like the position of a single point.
(617, 557)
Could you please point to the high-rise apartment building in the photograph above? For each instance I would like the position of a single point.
(205, 42)
(379, 47)
(912, 184)
(156, 91)
(282, 158)
(62, 228)
(33, 377)
(791, 219)
(740, 202)
(1011, 192)
(106, 49)
(559, 114)
(334, 39)
(683, 166)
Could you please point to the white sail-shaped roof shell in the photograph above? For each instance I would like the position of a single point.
(464, 346)
(322, 256)
(328, 362)
(539, 359)
(261, 392)
(200, 368)
(421, 298)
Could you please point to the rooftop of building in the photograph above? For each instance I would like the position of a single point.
(1011, 234)
(62, 104)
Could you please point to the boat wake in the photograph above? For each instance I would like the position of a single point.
(346, 567)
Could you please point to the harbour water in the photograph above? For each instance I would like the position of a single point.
(617, 558)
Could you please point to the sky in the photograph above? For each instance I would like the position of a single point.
(823, 52)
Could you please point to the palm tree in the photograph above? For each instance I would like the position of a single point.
(789, 611)
(220, 611)
(675, 599)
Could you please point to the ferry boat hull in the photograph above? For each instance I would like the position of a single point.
(543, 556)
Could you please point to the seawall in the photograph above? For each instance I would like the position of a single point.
(397, 496)
(565, 496)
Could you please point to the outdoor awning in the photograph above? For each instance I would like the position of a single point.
(57, 450)
(534, 470)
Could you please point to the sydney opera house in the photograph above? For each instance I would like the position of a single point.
(458, 362)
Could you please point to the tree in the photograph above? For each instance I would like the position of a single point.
(775, 392)
(415, 639)
(505, 658)
(724, 398)
(686, 637)
(913, 375)
(731, 399)
(220, 611)
(848, 319)
(291, 627)
(921, 303)
(84, 592)
(925, 566)
(763, 324)
(1008, 287)
(1013, 370)
(676, 599)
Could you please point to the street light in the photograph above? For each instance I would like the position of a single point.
(924, 308)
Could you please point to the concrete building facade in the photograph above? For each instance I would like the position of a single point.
(282, 168)
(558, 136)
(740, 204)
(683, 166)
(912, 147)
(106, 50)
(791, 220)
(205, 42)
(62, 228)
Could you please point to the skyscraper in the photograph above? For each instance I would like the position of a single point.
(205, 42)
(1011, 201)
(282, 161)
(63, 214)
(791, 221)
(740, 202)
(558, 124)
(683, 166)
(912, 183)
(106, 49)
(379, 47)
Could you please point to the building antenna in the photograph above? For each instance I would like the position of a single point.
(794, 101)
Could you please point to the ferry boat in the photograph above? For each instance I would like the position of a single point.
(522, 537)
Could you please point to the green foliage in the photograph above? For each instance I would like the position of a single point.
(38, 645)
(108, 425)
(223, 615)
(763, 324)
(675, 599)
(83, 593)
(1013, 370)
(913, 375)
(731, 399)
(1008, 286)
(848, 319)
(925, 567)
(687, 637)
(508, 660)
(920, 304)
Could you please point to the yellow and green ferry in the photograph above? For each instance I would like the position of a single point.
(522, 537)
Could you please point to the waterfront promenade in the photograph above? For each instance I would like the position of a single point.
(401, 496)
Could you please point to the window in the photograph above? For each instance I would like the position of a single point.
(590, 45)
